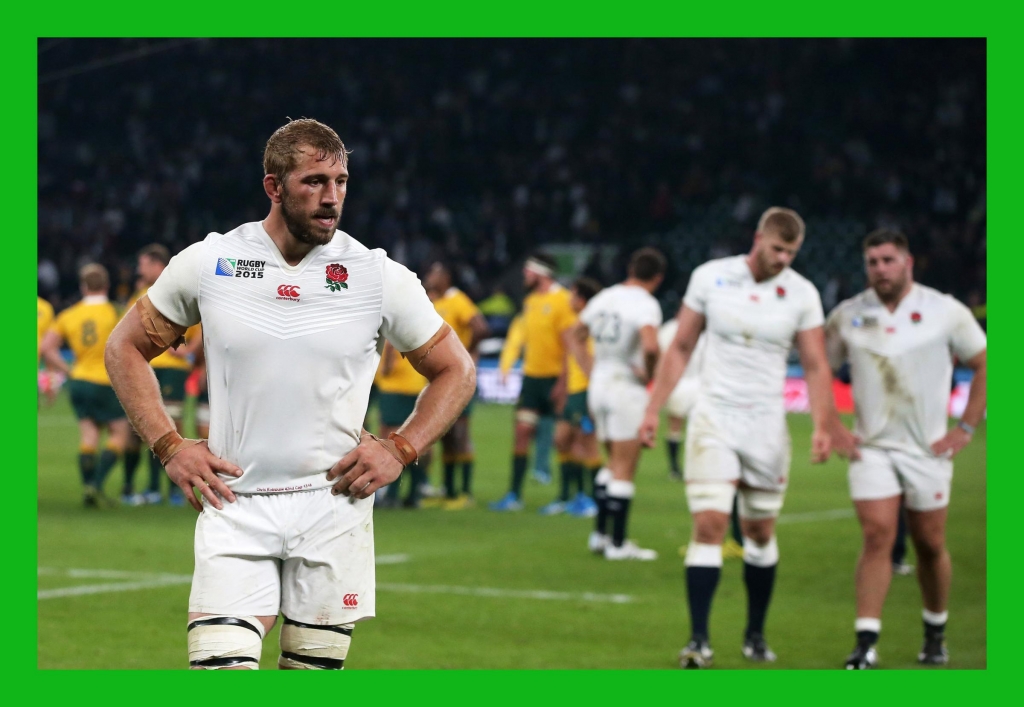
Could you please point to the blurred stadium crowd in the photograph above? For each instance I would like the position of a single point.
(478, 151)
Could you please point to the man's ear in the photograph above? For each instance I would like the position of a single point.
(272, 187)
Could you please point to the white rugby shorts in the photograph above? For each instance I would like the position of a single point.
(882, 473)
(744, 446)
(303, 553)
(680, 403)
(617, 407)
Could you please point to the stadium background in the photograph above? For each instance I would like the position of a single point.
(475, 152)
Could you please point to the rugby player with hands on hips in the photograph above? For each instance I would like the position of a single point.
(900, 338)
(751, 308)
(295, 313)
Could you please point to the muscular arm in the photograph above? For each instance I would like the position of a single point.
(127, 356)
(128, 353)
(448, 367)
(811, 346)
(575, 340)
(50, 349)
(651, 350)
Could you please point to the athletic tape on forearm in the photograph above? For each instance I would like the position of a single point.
(170, 444)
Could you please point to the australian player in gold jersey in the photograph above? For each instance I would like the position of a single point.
(85, 327)
(575, 438)
(462, 315)
(547, 314)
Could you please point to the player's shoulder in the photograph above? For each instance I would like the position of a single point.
(930, 297)
(792, 279)
(728, 265)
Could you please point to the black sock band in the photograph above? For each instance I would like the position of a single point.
(108, 457)
(934, 631)
(618, 510)
(156, 470)
(601, 499)
(737, 535)
(449, 480)
(519, 462)
(701, 583)
(866, 639)
(760, 582)
(131, 463)
(467, 477)
(673, 454)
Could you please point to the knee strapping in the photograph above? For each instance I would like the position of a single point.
(703, 555)
(527, 417)
(760, 555)
(619, 488)
(225, 642)
(312, 647)
(603, 476)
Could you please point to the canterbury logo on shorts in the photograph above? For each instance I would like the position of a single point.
(288, 292)
(350, 601)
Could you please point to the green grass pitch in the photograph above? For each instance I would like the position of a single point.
(476, 589)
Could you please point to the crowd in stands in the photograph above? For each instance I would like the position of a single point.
(478, 151)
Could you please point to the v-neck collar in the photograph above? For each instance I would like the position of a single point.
(276, 252)
(894, 314)
(749, 274)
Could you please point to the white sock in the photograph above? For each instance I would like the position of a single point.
(935, 619)
(864, 623)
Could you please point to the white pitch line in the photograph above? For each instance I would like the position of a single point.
(812, 516)
(85, 589)
(506, 593)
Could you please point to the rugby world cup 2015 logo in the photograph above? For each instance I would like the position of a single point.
(337, 277)
(226, 267)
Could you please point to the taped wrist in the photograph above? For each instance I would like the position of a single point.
(398, 446)
(170, 444)
(161, 331)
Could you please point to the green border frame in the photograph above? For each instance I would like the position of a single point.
(525, 18)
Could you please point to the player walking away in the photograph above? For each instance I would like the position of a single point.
(574, 436)
(623, 321)
(751, 307)
(398, 385)
(547, 313)
(171, 372)
(48, 382)
(458, 310)
(85, 327)
(294, 313)
(899, 338)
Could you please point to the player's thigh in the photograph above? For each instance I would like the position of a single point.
(879, 519)
(926, 481)
(762, 441)
(237, 564)
(328, 577)
(928, 529)
(758, 508)
(709, 455)
(873, 476)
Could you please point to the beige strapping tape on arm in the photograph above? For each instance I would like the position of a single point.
(162, 332)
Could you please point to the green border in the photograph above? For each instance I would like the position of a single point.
(525, 18)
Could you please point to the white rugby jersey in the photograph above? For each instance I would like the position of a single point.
(291, 351)
(901, 363)
(665, 336)
(615, 316)
(749, 328)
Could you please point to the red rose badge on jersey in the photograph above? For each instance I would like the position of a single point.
(780, 292)
(337, 277)
(915, 317)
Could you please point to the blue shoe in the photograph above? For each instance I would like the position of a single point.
(510, 502)
(582, 506)
(553, 508)
(176, 498)
(541, 476)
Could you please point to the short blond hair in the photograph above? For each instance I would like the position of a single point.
(784, 222)
(94, 278)
(283, 148)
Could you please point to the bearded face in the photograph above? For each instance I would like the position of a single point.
(312, 225)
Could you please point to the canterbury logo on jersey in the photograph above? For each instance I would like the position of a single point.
(289, 292)
(236, 267)
(351, 601)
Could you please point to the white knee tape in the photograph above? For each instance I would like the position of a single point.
(225, 642)
(701, 555)
(527, 417)
(312, 647)
(617, 488)
(603, 476)
(712, 496)
(760, 555)
(203, 413)
(759, 505)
